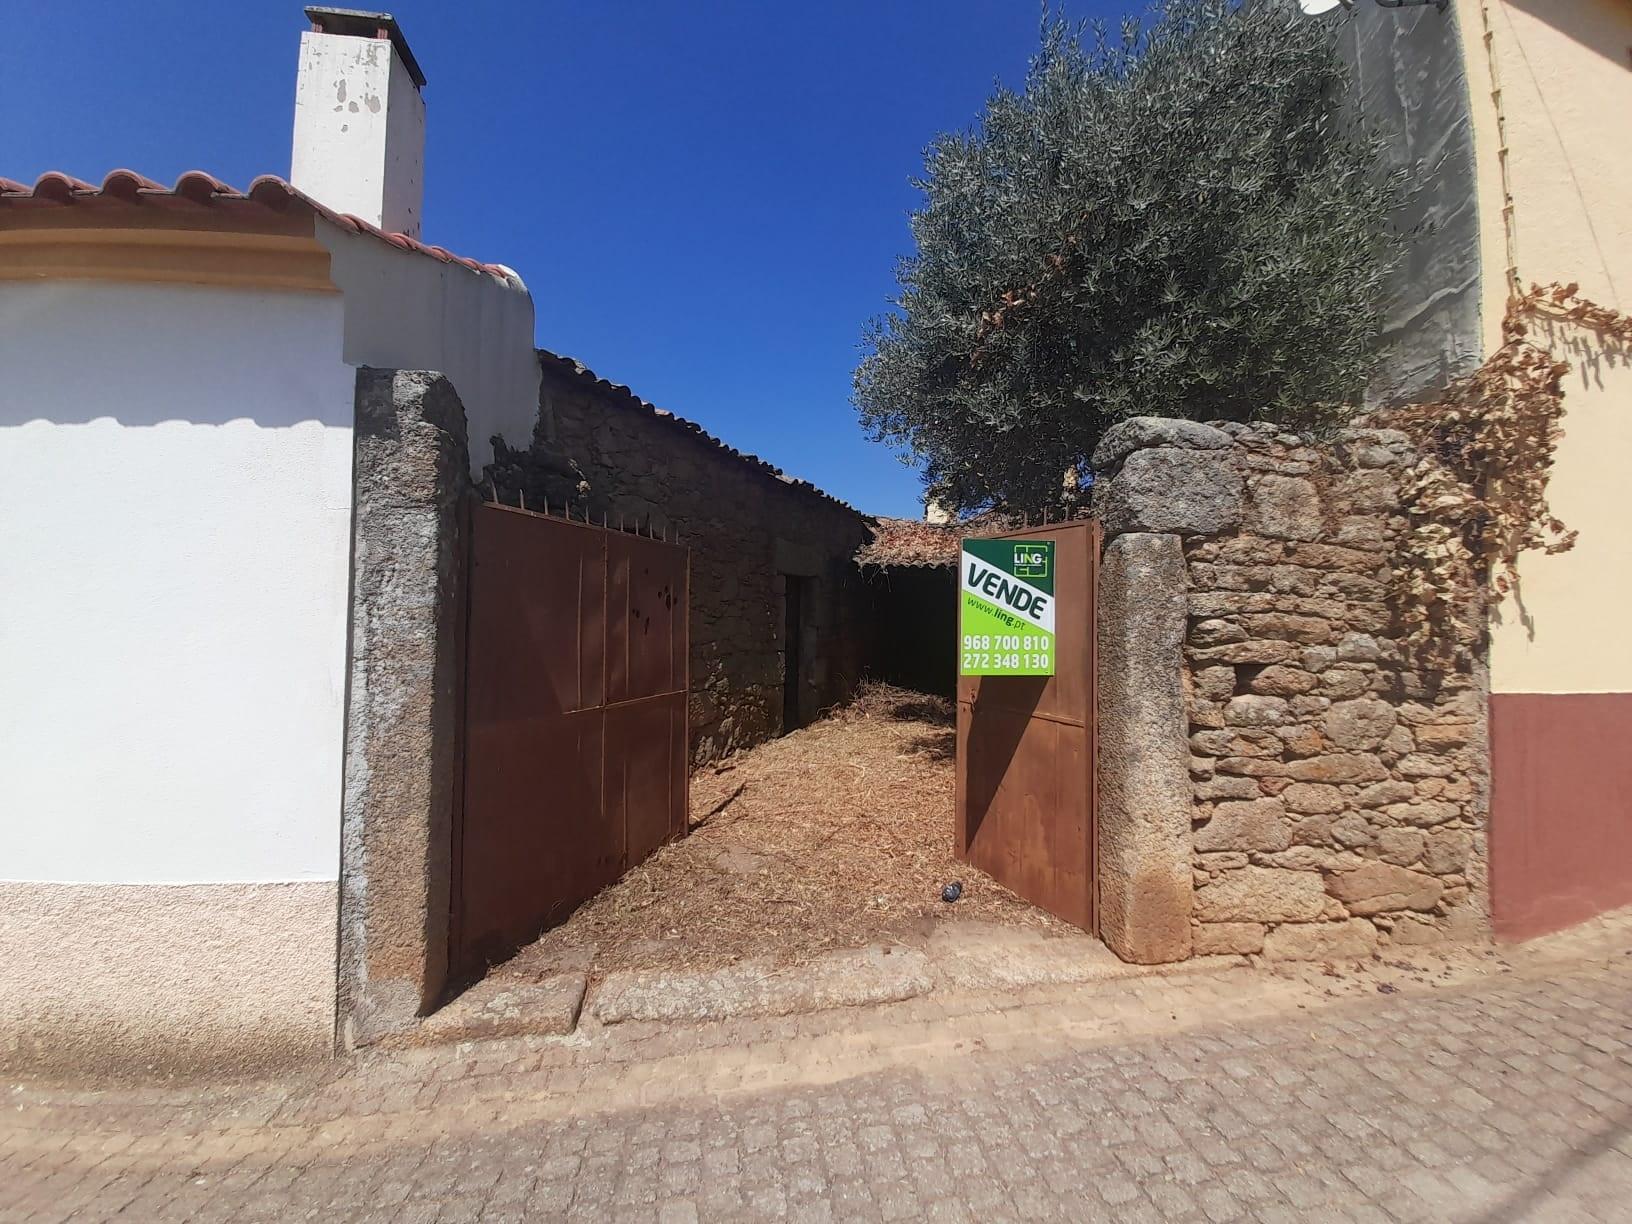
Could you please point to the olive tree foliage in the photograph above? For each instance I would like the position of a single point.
(1181, 218)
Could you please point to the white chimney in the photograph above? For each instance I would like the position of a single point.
(359, 119)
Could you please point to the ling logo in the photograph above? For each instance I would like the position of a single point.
(1030, 561)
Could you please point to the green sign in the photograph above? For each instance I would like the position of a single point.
(1006, 621)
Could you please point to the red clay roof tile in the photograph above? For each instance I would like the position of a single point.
(573, 368)
(199, 188)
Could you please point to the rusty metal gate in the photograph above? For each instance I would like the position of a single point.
(1026, 797)
(575, 745)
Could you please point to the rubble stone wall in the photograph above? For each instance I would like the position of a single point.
(1338, 790)
(750, 533)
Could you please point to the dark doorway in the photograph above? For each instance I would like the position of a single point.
(915, 628)
(793, 600)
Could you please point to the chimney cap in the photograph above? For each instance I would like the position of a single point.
(360, 23)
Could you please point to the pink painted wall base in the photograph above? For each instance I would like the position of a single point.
(1561, 809)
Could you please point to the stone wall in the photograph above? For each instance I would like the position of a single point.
(1337, 792)
(750, 530)
(411, 474)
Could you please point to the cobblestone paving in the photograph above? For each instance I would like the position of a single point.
(1390, 1093)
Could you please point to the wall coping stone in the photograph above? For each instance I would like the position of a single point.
(1144, 432)
(1172, 490)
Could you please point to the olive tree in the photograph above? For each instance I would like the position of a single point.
(1180, 218)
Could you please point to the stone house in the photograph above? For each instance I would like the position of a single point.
(780, 616)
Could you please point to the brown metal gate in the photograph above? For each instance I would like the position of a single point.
(575, 757)
(1026, 791)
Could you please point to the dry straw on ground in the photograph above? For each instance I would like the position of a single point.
(831, 837)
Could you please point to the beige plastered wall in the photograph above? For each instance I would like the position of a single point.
(1558, 74)
(159, 978)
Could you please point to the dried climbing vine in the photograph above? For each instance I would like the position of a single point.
(1477, 497)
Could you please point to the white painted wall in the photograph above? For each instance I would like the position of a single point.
(359, 143)
(402, 201)
(409, 311)
(175, 489)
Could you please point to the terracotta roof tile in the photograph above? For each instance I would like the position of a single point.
(196, 187)
(578, 370)
(906, 543)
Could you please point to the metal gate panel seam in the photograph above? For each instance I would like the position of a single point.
(1026, 787)
(545, 814)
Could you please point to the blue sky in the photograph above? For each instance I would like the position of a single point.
(706, 199)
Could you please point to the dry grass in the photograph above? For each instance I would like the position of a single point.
(826, 838)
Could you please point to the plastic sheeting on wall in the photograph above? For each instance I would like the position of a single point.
(1413, 90)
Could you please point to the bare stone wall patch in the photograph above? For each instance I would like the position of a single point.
(410, 476)
(1144, 789)
(1305, 716)
(1338, 792)
(750, 533)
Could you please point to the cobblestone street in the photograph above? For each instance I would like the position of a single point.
(1477, 1090)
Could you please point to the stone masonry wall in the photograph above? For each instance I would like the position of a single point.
(750, 532)
(1339, 793)
(411, 474)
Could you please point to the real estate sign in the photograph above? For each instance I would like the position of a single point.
(1006, 620)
